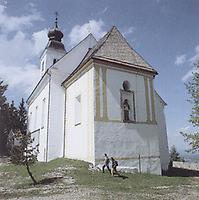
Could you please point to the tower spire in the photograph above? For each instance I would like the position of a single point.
(55, 33)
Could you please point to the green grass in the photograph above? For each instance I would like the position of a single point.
(133, 182)
(16, 177)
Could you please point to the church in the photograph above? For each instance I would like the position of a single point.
(98, 98)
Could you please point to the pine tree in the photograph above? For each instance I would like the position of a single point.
(12, 117)
(3, 118)
(174, 155)
(193, 91)
(22, 117)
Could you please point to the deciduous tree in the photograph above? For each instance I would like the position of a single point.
(193, 90)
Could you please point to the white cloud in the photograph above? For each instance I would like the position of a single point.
(102, 11)
(189, 74)
(192, 60)
(180, 59)
(18, 51)
(105, 10)
(15, 23)
(79, 32)
(195, 58)
(21, 78)
(128, 31)
(39, 40)
(3, 2)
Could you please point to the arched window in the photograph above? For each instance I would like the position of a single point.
(126, 86)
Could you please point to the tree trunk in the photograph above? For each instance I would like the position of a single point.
(30, 174)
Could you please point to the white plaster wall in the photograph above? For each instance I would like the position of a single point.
(56, 117)
(48, 56)
(42, 128)
(79, 138)
(163, 140)
(115, 80)
(126, 142)
(186, 165)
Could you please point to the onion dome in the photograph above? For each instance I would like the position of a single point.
(55, 33)
(55, 36)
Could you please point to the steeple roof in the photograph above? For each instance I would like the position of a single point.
(55, 36)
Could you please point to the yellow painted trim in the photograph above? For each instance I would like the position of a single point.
(104, 90)
(97, 93)
(147, 99)
(122, 66)
(152, 100)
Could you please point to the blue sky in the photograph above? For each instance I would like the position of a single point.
(164, 32)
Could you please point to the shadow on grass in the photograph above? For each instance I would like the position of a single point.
(121, 176)
(181, 172)
(47, 181)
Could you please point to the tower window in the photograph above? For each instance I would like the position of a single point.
(54, 61)
(42, 66)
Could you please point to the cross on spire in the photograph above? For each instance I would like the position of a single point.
(56, 19)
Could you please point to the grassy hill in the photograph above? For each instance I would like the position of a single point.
(70, 179)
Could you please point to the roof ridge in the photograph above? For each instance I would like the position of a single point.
(138, 59)
(105, 37)
(134, 49)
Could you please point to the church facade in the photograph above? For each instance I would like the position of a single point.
(98, 98)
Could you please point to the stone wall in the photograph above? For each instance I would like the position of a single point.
(186, 165)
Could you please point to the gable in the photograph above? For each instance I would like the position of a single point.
(115, 47)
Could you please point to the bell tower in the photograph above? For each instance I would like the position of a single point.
(54, 49)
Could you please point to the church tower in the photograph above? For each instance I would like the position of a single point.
(54, 50)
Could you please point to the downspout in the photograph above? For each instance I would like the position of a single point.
(48, 115)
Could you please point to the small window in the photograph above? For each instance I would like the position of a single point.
(36, 113)
(43, 112)
(78, 110)
(30, 120)
(126, 86)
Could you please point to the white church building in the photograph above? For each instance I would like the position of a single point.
(98, 98)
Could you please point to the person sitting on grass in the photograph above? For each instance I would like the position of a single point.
(106, 163)
(114, 166)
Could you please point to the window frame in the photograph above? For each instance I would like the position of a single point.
(78, 110)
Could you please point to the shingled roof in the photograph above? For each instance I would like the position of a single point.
(113, 46)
